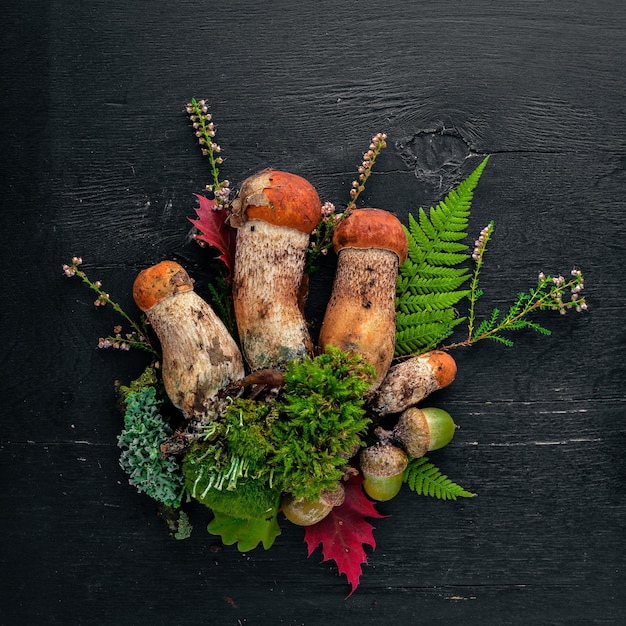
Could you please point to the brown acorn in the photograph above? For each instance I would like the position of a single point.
(305, 512)
(382, 466)
(422, 430)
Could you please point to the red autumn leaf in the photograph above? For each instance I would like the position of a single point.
(215, 231)
(344, 532)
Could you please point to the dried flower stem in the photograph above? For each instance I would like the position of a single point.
(480, 246)
(549, 294)
(201, 121)
(137, 338)
(322, 236)
(365, 169)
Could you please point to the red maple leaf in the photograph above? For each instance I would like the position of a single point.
(215, 231)
(344, 532)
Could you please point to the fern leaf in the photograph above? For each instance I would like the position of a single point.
(430, 301)
(424, 329)
(425, 479)
(430, 280)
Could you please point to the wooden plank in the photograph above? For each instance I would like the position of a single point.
(98, 160)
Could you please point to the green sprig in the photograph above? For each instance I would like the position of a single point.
(137, 338)
(551, 293)
(430, 281)
(425, 479)
(205, 130)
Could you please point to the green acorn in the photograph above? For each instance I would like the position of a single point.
(308, 512)
(382, 466)
(422, 430)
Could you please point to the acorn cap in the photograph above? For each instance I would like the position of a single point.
(334, 497)
(413, 432)
(278, 198)
(382, 460)
(371, 228)
(160, 281)
(422, 430)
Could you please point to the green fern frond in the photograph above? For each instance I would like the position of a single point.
(425, 479)
(430, 280)
(422, 330)
(430, 301)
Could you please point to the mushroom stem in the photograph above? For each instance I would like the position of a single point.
(269, 265)
(361, 316)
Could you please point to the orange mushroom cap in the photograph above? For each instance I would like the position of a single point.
(278, 198)
(443, 367)
(160, 281)
(371, 228)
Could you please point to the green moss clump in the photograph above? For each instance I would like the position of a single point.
(148, 378)
(298, 443)
(221, 481)
(231, 472)
(144, 432)
(322, 421)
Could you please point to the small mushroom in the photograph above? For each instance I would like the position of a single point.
(412, 380)
(361, 314)
(199, 357)
(274, 213)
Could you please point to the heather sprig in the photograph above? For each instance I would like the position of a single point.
(365, 169)
(480, 247)
(136, 338)
(204, 127)
(551, 293)
(322, 237)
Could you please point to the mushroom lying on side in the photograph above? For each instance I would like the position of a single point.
(412, 380)
(274, 213)
(199, 355)
(361, 314)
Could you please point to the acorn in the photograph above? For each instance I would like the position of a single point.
(305, 512)
(382, 466)
(421, 430)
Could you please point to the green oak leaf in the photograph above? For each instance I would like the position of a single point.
(246, 533)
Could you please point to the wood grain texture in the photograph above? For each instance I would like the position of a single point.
(97, 160)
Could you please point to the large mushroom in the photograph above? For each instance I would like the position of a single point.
(274, 213)
(199, 357)
(361, 314)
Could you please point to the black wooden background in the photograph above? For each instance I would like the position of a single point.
(98, 160)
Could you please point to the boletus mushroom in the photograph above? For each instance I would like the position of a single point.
(199, 357)
(274, 213)
(410, 381)
(361, 313)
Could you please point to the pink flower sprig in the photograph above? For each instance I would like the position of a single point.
(379, 141)
(551, 293)
(137, 338)
(480, 247)
(204, 129)
(322, 237)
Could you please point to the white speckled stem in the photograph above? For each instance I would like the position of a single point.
(199, 355)
(269, 266)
